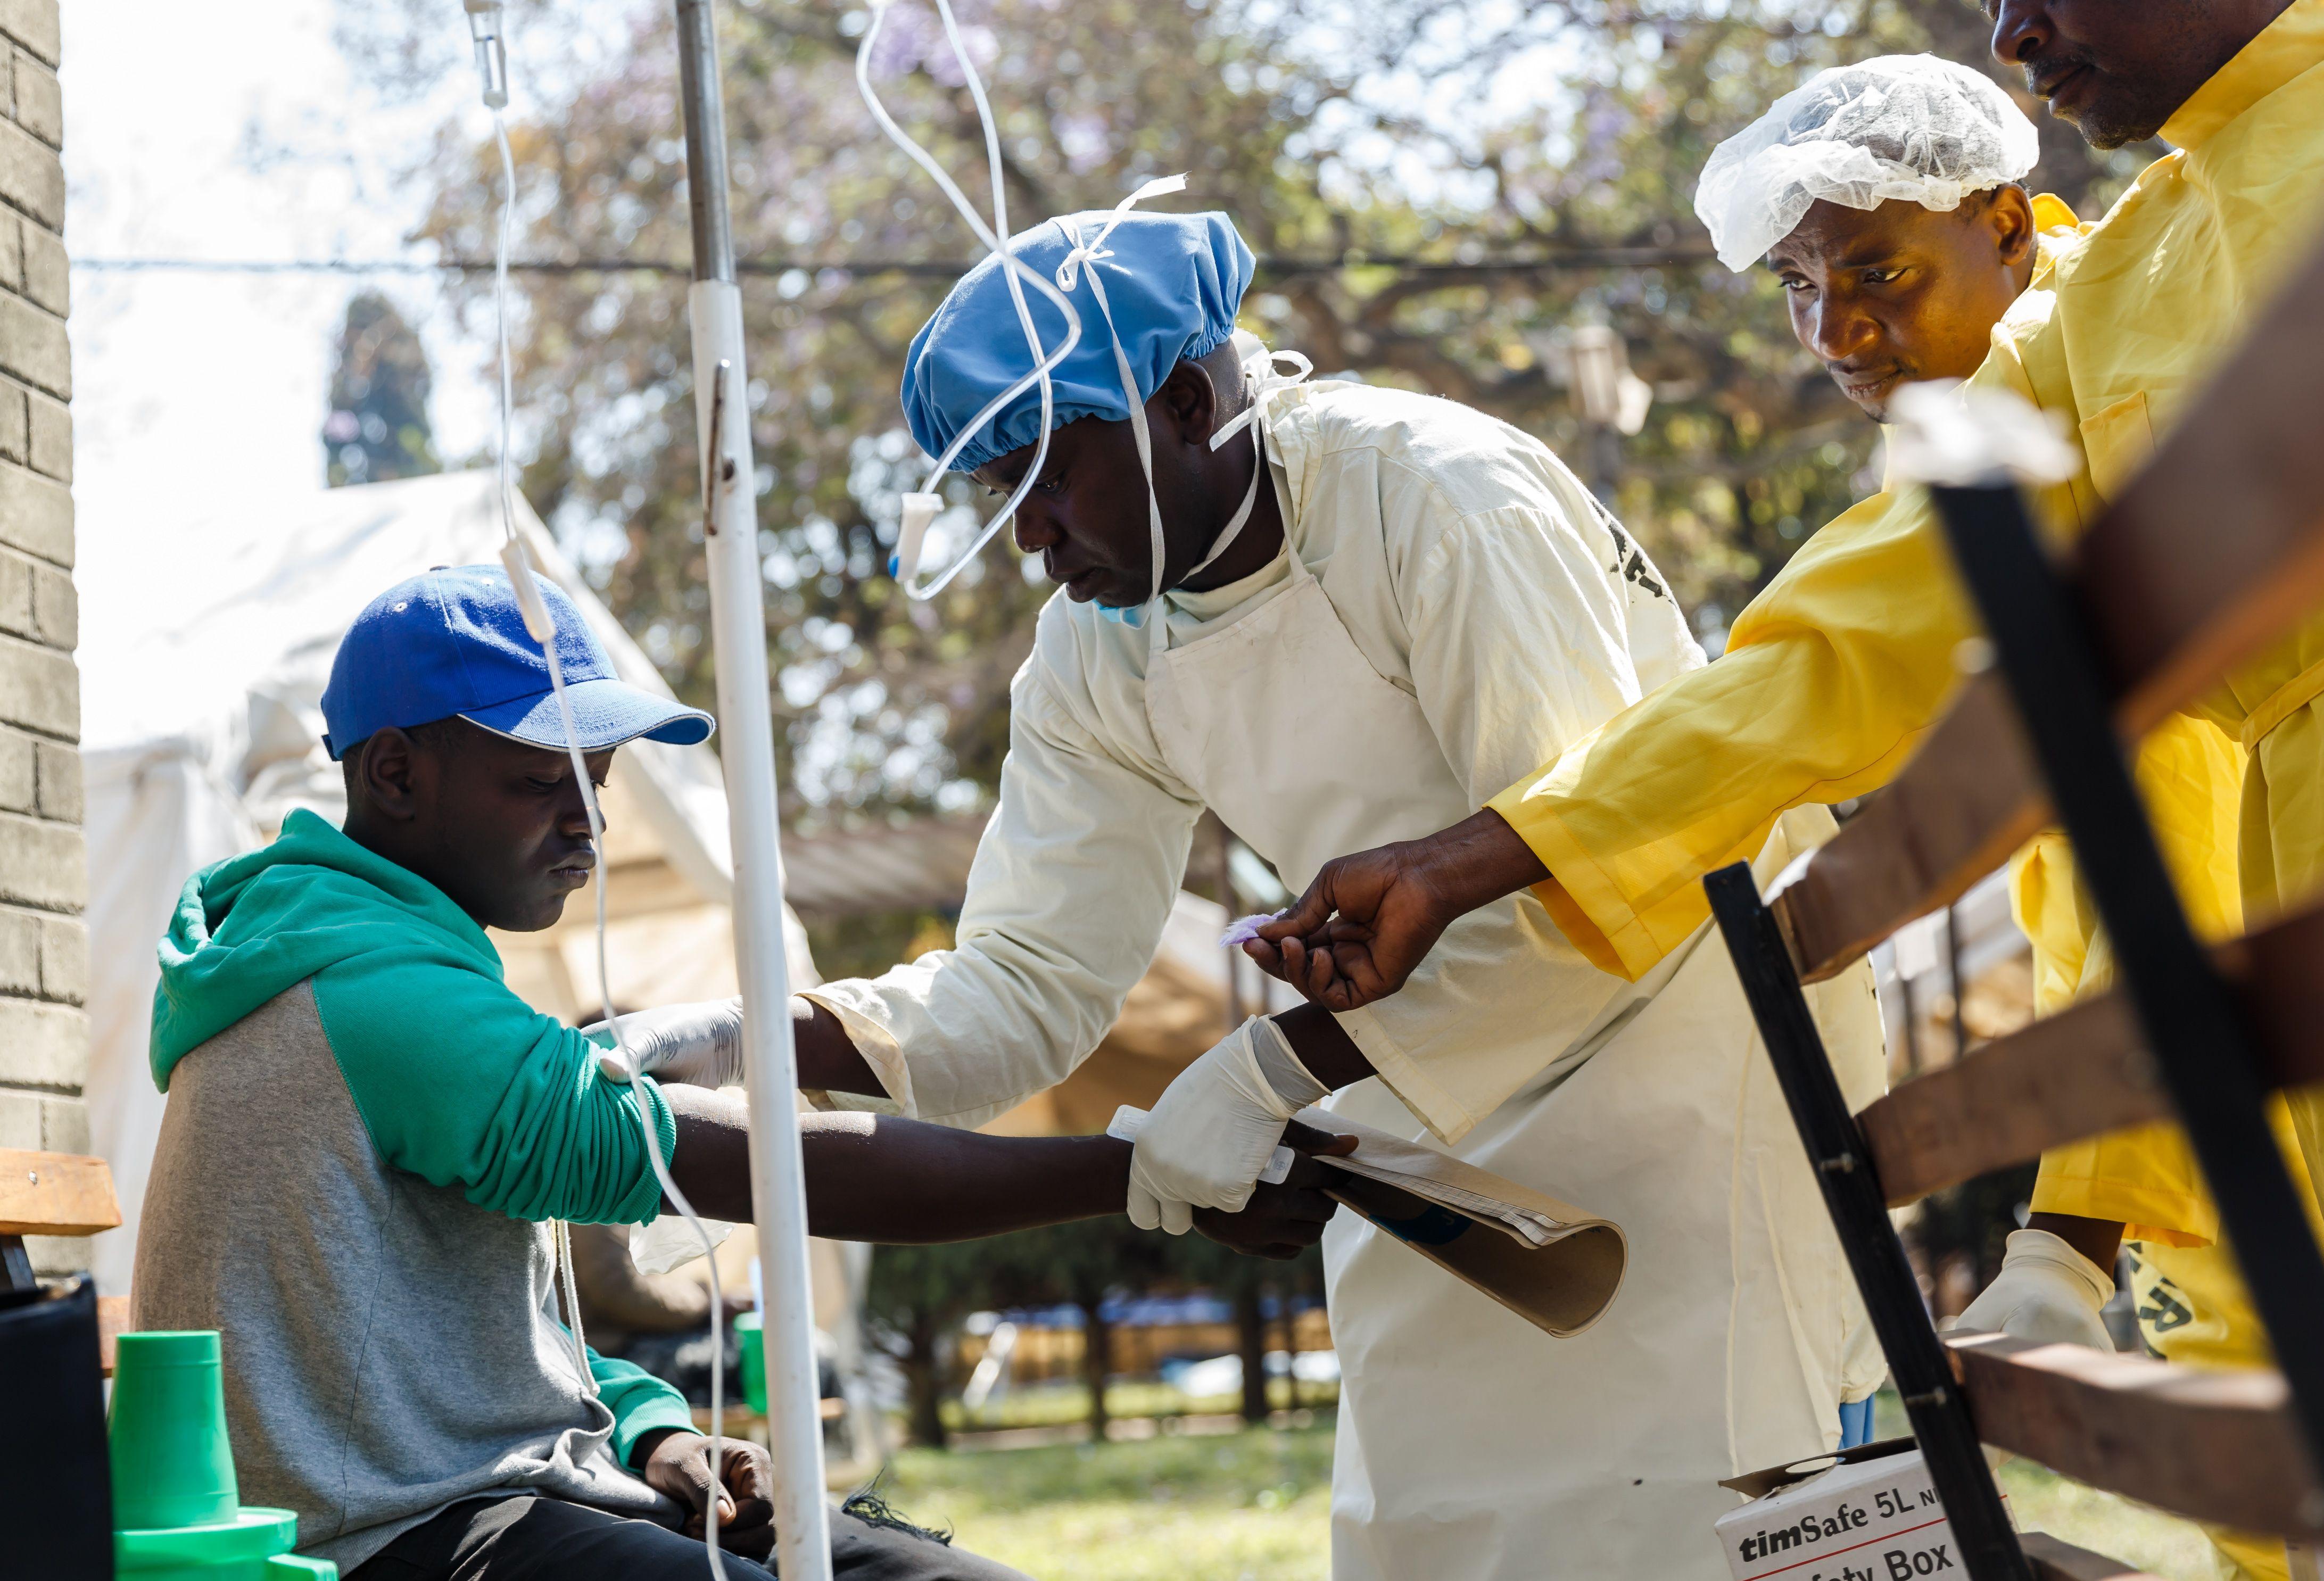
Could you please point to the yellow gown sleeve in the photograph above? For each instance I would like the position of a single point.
(1830, 676)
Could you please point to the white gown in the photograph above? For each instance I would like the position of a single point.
(1451, 612)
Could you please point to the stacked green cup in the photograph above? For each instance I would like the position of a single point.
(752, 1340)
(177, 1508)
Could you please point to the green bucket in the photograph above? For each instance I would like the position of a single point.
(751, 1338)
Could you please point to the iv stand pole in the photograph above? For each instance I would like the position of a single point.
(746, 746)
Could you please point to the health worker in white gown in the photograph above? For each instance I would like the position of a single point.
(1337, 616)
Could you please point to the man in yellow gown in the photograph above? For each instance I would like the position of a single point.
(1886, 197)
(1834, 673)
(1884, 291)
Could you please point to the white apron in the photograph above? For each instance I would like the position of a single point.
(1472, 1446)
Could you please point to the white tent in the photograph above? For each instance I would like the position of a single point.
(205, 646)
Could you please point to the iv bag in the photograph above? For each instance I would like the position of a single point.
(667, 1242)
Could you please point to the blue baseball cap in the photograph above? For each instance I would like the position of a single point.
(453, 642)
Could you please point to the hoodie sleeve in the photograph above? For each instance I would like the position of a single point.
(640, 1403)
(464, 1084)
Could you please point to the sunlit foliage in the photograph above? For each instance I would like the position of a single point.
(1505, 145)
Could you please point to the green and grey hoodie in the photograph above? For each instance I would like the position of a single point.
(367, 1136)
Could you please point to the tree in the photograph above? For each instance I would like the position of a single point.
(1442, 247)
(912, 1299)
(378, 428)
(1084, 1264)
(1247, 1283)
(888, 704)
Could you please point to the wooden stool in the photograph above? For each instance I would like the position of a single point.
(57, 1194)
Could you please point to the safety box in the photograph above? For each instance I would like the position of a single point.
(1871, 1515)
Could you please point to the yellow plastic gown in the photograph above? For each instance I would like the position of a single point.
(1832, 674)
(2191, 1303)
(2191, 776)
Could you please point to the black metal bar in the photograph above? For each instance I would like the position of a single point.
(15, 1265)
(1953, 977)
(1851, 1193)
(2193, 1023)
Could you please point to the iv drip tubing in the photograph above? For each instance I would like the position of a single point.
(995, 240)
(747, 755)
(507, 375)
(541, 626)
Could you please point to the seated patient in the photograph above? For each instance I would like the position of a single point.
(368, 1135)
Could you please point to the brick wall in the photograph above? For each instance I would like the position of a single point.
(43, 868)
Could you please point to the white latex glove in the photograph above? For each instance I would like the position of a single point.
(1214, 1131)
(2046, 1291)
(699, 1045)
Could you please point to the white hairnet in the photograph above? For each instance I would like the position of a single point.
(1898, 127)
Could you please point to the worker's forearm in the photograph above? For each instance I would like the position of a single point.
(1479, 859)
(828, 1060)
(2099, 1239)
(1323, 1046)
(874, 1178)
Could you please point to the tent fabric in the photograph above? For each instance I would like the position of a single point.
(204, 647)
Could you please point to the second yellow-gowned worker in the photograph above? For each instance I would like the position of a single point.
(1899, 252)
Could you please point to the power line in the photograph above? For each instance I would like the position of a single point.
(1451, 270)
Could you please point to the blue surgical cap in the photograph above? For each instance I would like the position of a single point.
(1174, 283)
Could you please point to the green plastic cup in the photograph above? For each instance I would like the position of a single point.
(751, 1340)
(292, 1568)
(171, 1464)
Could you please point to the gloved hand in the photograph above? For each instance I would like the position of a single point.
(1212, 1131)
(699, 1045)
(2046, 1291)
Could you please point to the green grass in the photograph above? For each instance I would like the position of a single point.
(1256, 1506)
(2146, 1539)
(1248, 1506)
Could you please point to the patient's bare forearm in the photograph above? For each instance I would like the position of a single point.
(874, 1178)
(877, 1179)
